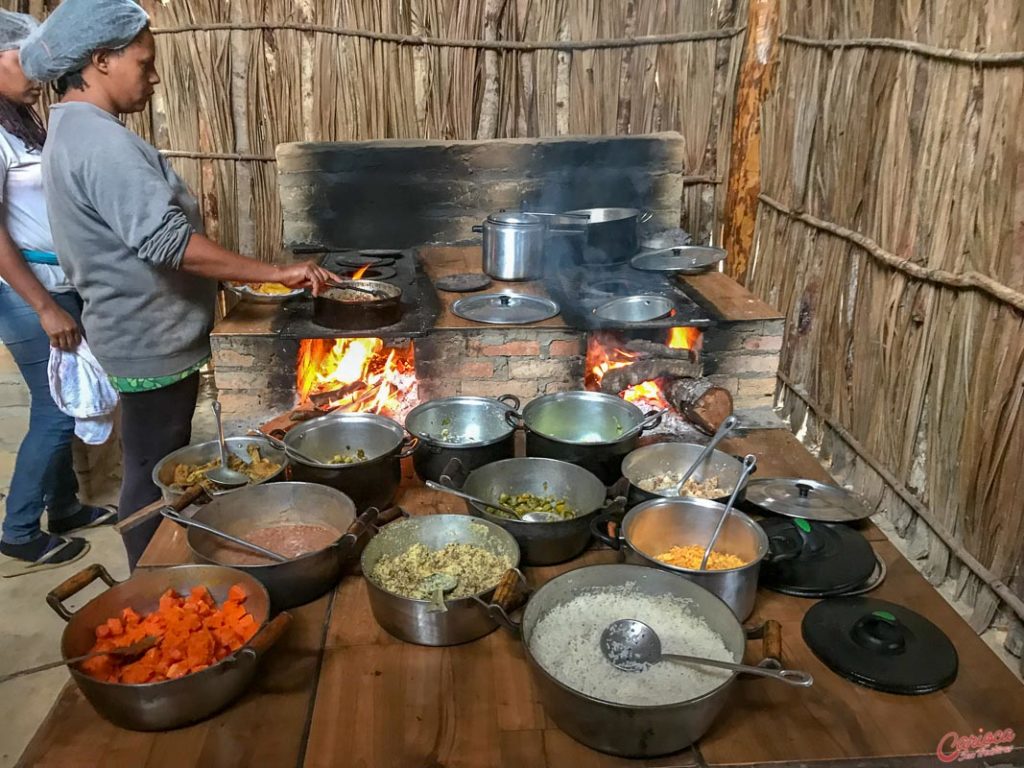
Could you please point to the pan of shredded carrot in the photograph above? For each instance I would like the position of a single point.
(690, 556)
(193, 633)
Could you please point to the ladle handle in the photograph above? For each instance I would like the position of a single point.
(793, 677)
(749, 464)
(727, 426)
(189, 523)
(220, 435)
(473, 499)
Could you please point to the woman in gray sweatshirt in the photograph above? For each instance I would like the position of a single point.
(130, 236)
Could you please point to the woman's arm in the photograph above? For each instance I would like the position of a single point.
(58, 324)
(204, 257)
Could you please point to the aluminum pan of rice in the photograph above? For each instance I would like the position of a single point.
(565, 642)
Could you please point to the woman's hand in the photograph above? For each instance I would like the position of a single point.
(306, 274)
(61, 328)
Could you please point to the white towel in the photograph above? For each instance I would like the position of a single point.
(81, 389)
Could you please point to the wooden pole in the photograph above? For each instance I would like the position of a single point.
(745, 153)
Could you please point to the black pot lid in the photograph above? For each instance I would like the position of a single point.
(811, 500)
(880, 645)
(463, 283)
(812, 559)
(505, 308)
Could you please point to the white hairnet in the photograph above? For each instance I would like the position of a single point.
(14, 28)
(67, 39)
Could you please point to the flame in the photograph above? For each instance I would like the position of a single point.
(606, 352)
(358, 274)
(367, 375)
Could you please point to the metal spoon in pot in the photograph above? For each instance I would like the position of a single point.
(749, 463)
(170, 514)
(135, 649)
(724, 429)
(375, 292)
(529, 517)
(289, 450)
(439, 584)
(224, 475)
(632, 646)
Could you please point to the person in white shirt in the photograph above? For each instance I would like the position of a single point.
(38, 309)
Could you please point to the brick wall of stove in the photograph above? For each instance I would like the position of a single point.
(255, 378)
(743, 357)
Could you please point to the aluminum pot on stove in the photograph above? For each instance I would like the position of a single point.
(370, 482)
(590, 429)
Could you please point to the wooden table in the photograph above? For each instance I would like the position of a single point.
(340, 692)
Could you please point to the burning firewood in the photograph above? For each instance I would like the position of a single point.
(619, 379)
(645, 350)
(323, 399)
(703, 404)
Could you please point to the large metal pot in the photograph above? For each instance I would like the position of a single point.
(540, 543)
(612, 234)
(620, 729)
(201, 453)
(660, 458)
(473, 430)
(656, 526)
(369, 483)
(301, 579)
(413, 620)
(173, 703)
(590, 429)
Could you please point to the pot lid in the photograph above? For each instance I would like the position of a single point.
(505, 308)
(813, 559)
(463, 283)
(517, 218)
(808, 499)
(880, 645)
(641, 308)
(687, 258)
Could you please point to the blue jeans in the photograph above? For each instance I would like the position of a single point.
(44, 475)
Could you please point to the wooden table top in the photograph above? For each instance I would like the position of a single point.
(338, 691)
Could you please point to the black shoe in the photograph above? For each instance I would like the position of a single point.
(46, 548)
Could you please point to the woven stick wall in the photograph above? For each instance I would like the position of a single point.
(241, 77)
(890, 231)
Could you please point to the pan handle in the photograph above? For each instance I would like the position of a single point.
(265, 639)
(599, 527)
(512, 593)
(454, 474)
(409, 443)
(515, 419)
(388, 516)
(511, 401)
(75, 584)
(191, 495)
(359, 526)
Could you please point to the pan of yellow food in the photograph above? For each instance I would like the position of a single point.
(672, 534)
(187, 466)
(264, 293)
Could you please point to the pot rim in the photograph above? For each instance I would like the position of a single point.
(583, 394)
(694, 501)
(617, 705)
(219, 666)
(636, 458)
(329, 419)
(243, 439)
(458, 600)
(489, 402)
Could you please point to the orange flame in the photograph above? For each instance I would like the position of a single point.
(605, 352)
(358, 275)
(366, 375)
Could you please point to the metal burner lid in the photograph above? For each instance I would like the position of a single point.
(795, 497)
(505, 308)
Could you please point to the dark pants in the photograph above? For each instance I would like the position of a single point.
(44, 475)
(153, 424)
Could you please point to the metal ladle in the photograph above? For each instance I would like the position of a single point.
(439, 584)
(632, 646)
(289, 450)
(170, 514)
(224, 475)
(724, 429)
(375, 292)
(135, 649)
(529, 517)
(749, 463)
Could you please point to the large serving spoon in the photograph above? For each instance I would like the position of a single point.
(749, 463)
(375, 292)
(281, 445)
(135, 649)
(727, 426)
(170, 514)
(529, 517)
(632, 646)
(224, 475)
(439, 584)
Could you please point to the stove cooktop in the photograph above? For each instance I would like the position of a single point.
(420, 303)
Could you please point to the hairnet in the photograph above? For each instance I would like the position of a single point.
(67, 39)
(14, 28)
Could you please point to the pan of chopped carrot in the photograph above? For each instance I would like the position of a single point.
(209, 627)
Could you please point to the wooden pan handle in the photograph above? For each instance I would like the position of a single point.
(507, 595)
(189, 497)
(771, 641)
(56, 596)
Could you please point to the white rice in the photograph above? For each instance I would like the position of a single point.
(566, 641)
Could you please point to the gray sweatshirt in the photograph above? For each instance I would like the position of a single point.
(121, 219)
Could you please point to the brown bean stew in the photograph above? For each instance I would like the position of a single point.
(290, 540)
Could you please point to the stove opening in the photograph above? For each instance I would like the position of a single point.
(363, 375)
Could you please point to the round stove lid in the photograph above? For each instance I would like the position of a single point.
(880, 645)
(808, 499)
(812, 559)
(463, 283)
(505, 308)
